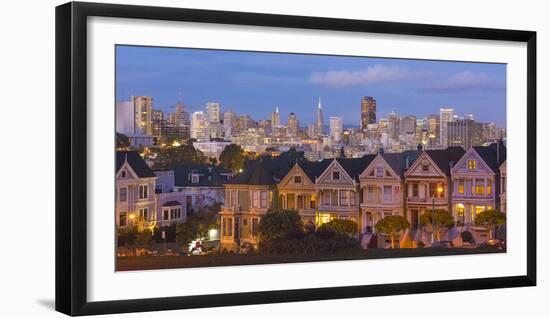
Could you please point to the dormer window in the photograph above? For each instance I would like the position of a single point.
(379, 171)
(297, 179)
(194, 178)
(123, 174)
(336, 175)
(472, 165)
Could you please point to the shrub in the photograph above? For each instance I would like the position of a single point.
(341, 226)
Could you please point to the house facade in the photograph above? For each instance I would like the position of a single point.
(338, 191)
(383, 188)
(503, 187)
(135, 190)
(428, 184)
(297, 189)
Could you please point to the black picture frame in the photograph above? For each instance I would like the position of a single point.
(71, 157)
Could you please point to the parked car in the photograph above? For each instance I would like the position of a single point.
(443, 244)
(494, 243)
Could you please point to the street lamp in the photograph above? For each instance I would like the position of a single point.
(439, 190)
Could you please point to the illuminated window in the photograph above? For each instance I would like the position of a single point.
(227, 226)
(312, 202)
(480, 186)
(472, 164)
(489, 186)
(461, 186)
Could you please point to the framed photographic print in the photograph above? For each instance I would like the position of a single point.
(210, 158)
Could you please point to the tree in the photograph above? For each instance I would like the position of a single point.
(170, 157)
(348, 227)
(122, 141)
(232, 157)
(279, 224)
(437, 221)
(144, 238)
(392, 226)
(490, 220)
(197, 225)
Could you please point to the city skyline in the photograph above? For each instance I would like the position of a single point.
(244, 83)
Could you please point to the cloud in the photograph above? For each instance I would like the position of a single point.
(371, 75)
(466, 81)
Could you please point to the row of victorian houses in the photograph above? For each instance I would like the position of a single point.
(368, 189)
(363, 190)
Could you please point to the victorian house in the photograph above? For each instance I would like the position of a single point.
(382, 184)
(338, 191)
(476, 185)
(248, 196)
(428, 184)
(135, 190)
(297, 189)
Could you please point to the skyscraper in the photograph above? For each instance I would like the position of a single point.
(408, 125)
(394, 125)
(319, 119)
(464, 132)
(276, 118)
(199, 126)
(213, 112)
(368, 111)
(143, 114)
(229, 123)
(336, 128)
(446, 115)
(125, 117)
(292, 125)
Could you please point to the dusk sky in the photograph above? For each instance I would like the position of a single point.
(254, 83)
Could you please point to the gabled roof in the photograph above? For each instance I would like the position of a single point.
(354, 166)
(209, 176)
(136, 163)
(265, 170)
(314, 169)
(493, 155)
(401, 161)
(443, 158)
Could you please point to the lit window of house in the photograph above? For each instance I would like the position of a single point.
(489, 186)
(123, 219)
(336, 175)
(143, 191)
(263, 199)
(461, 183)
(472, 164)
(297, 179)
(227, 226)
(479, 186)
(143, 214)
(123, 194)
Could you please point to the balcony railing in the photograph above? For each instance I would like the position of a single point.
(426, 200)
(338, 208)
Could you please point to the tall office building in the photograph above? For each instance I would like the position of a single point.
(143, 112)
(213, 112)
(368, 111)
(293, 125)
(408, 125)
(394, 125)
(464, 132)
(199, 126)
(125, 118)
(446, 115)
(336, 128)
(157, 122)
(229, 123)
(276, 118)
(319, 124)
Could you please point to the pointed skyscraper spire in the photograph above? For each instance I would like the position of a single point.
(319, 124)
(319, 106)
